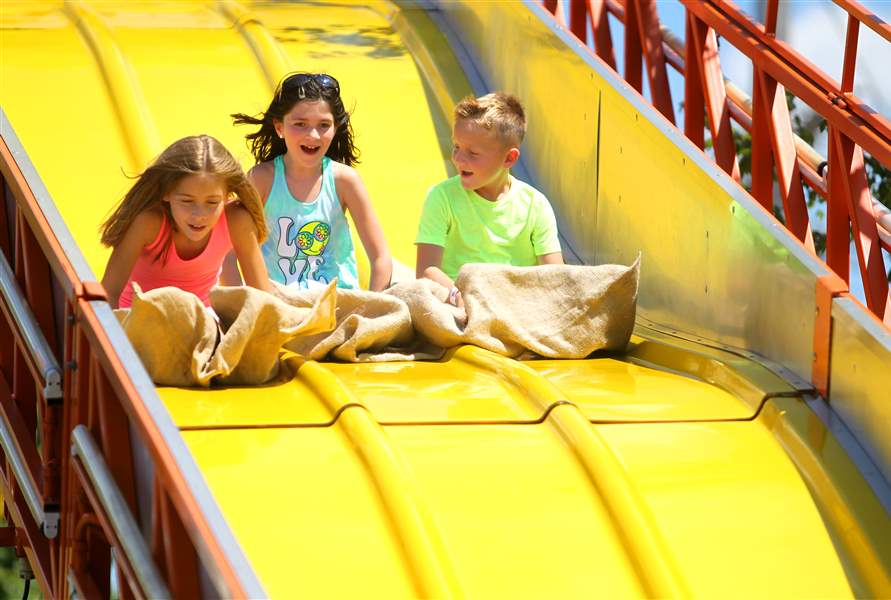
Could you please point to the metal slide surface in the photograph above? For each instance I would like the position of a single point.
(677, 468)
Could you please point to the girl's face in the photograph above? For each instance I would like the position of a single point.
(308, 130)
(196, 203)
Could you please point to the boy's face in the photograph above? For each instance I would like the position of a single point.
(479, 156)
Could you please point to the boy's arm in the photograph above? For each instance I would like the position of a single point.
(544, 237)
(431, 240)
(428, 265)
(554, 258)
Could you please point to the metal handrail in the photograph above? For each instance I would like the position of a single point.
(47, 521)
(131, 366)
(35, 343)
(119, 516)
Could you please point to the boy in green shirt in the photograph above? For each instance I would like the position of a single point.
(484, 214)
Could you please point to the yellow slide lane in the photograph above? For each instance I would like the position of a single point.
(666, 471)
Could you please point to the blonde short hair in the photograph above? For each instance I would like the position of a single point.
(500, 113)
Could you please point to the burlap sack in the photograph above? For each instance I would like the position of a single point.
(256, 326)
(555, 311)
(181, 343)
(370, 326)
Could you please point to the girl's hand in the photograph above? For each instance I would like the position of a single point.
(243, 235)
(141, 232)
(354, 198)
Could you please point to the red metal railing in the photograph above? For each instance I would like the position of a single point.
(68, 407)
(777, 68)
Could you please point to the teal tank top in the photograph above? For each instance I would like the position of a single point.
(309, 243)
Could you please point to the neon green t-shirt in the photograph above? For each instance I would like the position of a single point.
(515, 230)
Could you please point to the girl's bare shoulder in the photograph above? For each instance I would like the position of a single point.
(347, 178)
(344, 172)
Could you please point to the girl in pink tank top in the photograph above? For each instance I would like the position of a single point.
(180, 220)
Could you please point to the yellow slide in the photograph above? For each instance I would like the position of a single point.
(696, 463)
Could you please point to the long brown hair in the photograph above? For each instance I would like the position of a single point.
(189, 156)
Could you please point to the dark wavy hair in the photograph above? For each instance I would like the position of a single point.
(296, 87)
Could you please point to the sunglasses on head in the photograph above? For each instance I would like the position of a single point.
(323, 80)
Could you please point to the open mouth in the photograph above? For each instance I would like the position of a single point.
(197, 228)
(310, 149)
(466, 173)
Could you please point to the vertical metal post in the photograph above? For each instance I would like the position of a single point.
(762, 153)
(603, 39)
(577, 24)
(694, 106)
(650, 36)
(773, 96)
(847, 83)
(838, 225)
(709, 67)
(855, 190)
(633, 48)
(770, 17)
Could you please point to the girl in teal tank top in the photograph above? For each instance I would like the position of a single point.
(304, 152)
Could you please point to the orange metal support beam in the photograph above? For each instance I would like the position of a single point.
(647, 18)
(708, 65)
(867, 17)
(633, 47)
(849, 167)
(856, 120)
(578, 25)
(694, 104)
(762, 155)
(828, 287)
(847, 84)
(838, 224)
(773, 103)
(603, 39)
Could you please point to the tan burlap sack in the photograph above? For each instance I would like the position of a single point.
(555, 311)
(172, 332)
(181, 344)
(256, 325)
(370, 326)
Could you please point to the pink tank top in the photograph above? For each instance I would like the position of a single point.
(196, 275)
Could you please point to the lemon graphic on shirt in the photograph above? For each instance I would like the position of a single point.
(313, 237)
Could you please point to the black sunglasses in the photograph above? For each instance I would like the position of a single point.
(323, 80)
